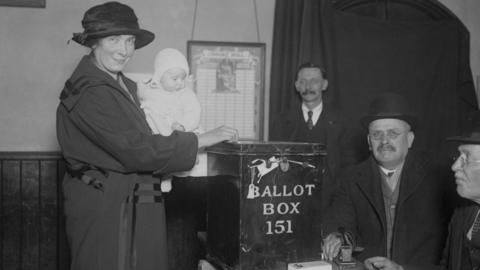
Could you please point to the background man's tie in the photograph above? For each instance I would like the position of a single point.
(310, 121)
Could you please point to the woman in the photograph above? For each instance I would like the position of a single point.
(114, 208)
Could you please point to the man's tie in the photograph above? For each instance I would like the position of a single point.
(310, 121)
(389, 179)
(476, 232)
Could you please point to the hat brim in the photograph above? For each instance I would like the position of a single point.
(142, 37)
(409, 119)
(465, 139)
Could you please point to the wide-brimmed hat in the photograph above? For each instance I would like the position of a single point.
(109, 19)
(471, 135)
(389, 105)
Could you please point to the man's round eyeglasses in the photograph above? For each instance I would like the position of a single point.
(378, 135)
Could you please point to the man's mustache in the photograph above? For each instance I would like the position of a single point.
(386, 147)
(308, 92)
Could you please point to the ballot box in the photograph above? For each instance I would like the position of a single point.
(263, 204)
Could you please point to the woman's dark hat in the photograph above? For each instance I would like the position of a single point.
(109, 19)
(471, 135)
(389, 105)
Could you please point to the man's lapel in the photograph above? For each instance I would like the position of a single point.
(293, 123)
(413, 173)
(369, 182)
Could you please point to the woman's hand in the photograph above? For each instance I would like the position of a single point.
(177, 126)
(216, 135)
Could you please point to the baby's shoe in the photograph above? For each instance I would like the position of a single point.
(166, 185)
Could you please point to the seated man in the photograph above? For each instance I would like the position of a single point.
(393, 202)
(463, 245)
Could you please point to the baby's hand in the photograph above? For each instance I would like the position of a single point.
(190, 78)
(190, 81)
(178, 126)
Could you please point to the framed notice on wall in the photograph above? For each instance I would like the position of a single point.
(230, 82)
(23, 3)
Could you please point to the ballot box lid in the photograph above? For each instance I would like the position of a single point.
(264, 147)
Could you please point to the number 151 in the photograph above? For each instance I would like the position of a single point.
(279, 227)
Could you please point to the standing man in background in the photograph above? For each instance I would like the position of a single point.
(314, 122)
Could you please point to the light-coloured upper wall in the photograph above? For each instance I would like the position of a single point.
(467, 11)
(36, 58)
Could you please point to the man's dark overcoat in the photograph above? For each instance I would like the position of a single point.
(291, 126)
(422, 212)
(101, 128)
(456, 255)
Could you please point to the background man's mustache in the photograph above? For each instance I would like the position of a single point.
(308, 92)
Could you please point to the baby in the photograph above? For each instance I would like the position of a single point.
(168, 100)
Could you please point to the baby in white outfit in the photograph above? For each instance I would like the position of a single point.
(169, 102)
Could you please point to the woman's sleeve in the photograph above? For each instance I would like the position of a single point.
(114, 125)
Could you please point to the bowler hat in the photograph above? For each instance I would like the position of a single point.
(471, 135)
(389, 105)
(109, 19)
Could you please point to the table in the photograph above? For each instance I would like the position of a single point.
(358, 266)
(205, 265)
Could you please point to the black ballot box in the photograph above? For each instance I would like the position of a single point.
(263, 206)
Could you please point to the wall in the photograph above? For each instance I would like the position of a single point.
(467, 11)
(36, 57)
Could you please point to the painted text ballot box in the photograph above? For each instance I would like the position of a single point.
(263, 203)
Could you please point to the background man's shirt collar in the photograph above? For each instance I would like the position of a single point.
(316, 112)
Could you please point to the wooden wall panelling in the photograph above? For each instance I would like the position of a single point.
(32, 221)
(11, 215)
(30, 213)
(32, 226)
(63, 251)
(49, 214)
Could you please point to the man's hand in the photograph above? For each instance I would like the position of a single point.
(331, 246)
(375, 263)
(216, 135)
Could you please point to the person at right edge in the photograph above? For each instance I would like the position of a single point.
(394, 204)
(462, 250)
(115, 214)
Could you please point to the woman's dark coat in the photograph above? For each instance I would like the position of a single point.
(103, 135)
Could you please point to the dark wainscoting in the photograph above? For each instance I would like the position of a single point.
(32, 227)
(32, 222)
